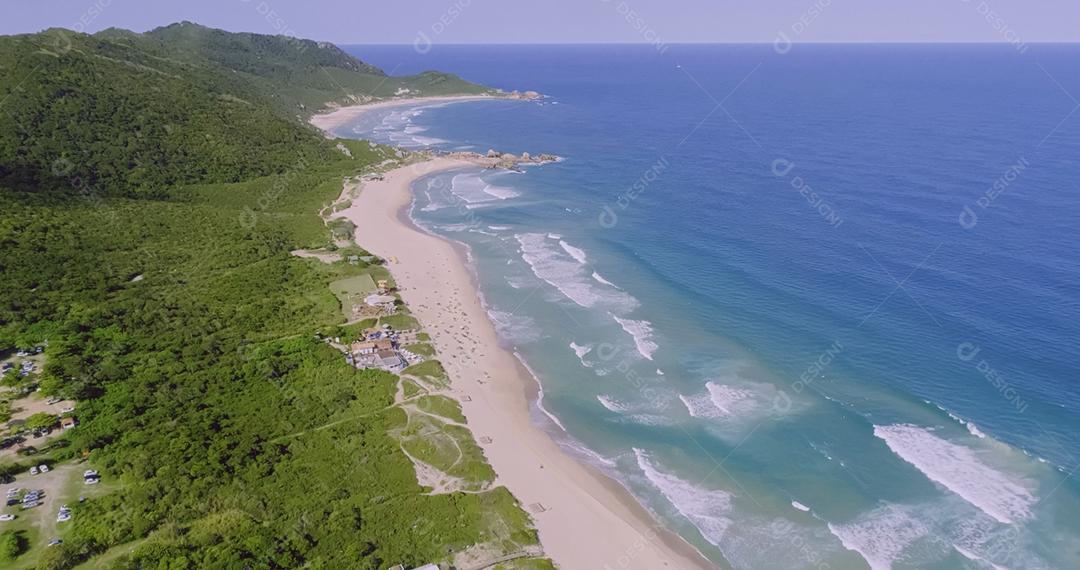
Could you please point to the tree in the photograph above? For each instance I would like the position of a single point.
(12, 544)
(41, 421)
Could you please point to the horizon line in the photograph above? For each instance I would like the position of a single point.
(756, 43)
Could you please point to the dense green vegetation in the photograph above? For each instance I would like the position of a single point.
(134, 114)
(297, 75)
(155, 261)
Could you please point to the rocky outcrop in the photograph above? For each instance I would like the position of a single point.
(501, 160)
(528, 95)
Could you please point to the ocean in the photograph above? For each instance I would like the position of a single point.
(814, 308)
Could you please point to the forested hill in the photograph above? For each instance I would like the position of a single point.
(131, 114)
(152, 190)
(258, 54)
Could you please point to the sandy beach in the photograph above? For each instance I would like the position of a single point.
(586, 520)
(335, 118)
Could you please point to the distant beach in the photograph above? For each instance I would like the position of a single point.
(332, 119)
(584, 519)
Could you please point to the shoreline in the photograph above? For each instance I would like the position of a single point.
(497, 392)
(327, 120)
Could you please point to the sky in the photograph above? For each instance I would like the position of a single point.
(576, 21)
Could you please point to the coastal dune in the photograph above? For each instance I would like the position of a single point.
(584, 519)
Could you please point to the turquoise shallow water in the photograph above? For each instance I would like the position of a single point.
(828, 323)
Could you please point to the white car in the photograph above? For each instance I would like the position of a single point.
(7, 517)
(67, 409)
(63, 517)
(89, 473)
(33, 470)
(43, 468)
(92, 481)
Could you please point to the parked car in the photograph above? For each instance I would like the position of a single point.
(29, 505)
(33, 470)
(55, 542)
(64, 516)
(43, 468)
(7, 517)
(67, 409)
(92, 481)
(89, 473)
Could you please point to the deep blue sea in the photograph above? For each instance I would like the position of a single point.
(818, 309)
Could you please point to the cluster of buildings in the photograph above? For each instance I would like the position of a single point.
(375, 354)
(380, 348)
(378, 303)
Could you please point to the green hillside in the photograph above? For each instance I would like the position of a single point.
(132, 114)
(152, 188)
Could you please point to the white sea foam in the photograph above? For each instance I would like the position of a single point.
(880, 536)
(554, 266)
(576, 253)
(976, 558)
(642, 333)
(960, 470)
(800, 506)
(501, 192)
(516, 281)
(974, 430)
(581, 351)
(707, 509)
(397, 128)
(600, 279)
(498, 228)
(587, 454)
(540, 406)
(613, 405)
(474, 190)
(513, 328)
(720, 401)
(539, 393)
(969, 425)
(649, 420)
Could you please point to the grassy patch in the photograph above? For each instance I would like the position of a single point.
(430, 370)
(400, 322)
(423, 349)
(441, 406)
(448, 448)
(410, 388)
